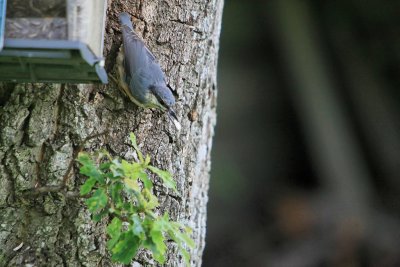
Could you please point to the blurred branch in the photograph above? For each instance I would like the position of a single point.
(331, 139)
(374, 107)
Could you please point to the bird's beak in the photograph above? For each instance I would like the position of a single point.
(174, 119)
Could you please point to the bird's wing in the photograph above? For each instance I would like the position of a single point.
(137, 55)
(158, 75)
(142, 80)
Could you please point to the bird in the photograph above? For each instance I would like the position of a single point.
(140, 75)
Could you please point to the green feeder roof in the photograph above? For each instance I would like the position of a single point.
(56, 61)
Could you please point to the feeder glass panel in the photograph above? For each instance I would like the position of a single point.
(36, 19)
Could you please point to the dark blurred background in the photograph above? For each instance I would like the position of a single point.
(306, 157)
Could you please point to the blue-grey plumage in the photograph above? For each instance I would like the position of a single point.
(140, 75)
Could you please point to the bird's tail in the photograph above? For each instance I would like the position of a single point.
(125, 19)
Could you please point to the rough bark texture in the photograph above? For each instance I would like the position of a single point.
(42, 125)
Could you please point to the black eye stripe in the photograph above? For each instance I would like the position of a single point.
(157, 96)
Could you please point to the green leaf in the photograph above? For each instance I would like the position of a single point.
(126, 248)
(114, 231)
(115, 168)
(149, 244)
(105, 166)
(128, 207)
(155, 240)
(131, 184)
(87, 186)
(146, 180)
(97, 217)
(186, 255)
(88, 168)
(137, 227)
(174, 231)
(165, 176)
(151, 201)
(122, 181)
(183, 237)
(179, 238)
(116, 191)
(131, 170)
(135, 146)
(98, 201)
(147, 160)
(158, 239)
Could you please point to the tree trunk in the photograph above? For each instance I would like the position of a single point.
(42, 126)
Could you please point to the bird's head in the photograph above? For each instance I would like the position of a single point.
(162, 98)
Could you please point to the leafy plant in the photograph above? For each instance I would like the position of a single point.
(122, 190)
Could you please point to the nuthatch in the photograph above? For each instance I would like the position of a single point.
(139, 74)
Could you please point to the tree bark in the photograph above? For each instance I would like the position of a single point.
(43, 125)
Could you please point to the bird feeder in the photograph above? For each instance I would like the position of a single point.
(52, 41)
